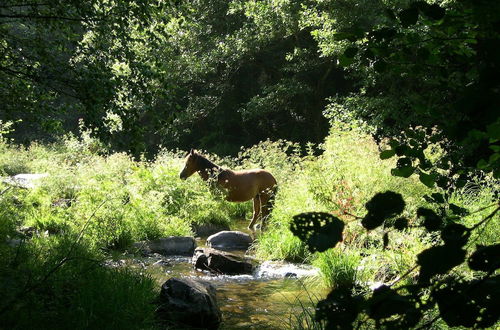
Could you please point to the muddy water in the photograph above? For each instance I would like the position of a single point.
(267, 299)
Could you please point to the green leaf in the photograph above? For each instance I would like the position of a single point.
(433, 11)
(381, 207)
(404, 162)
(408, 17)
(380, 66)
(386, 204)
(319, 230)
(404, 172)
(427, 179)
(438, 260)
(386, 154)
(455, 209)
(493, 131)
(486, 293)
(485, 258)
(495, 148)
(455, 234)
(482, 164)
(438, 198)
(369, 54)
(350, 52)
(386, 302)
(402, 150)
(339, 309)
(390, 14)
(383, 33)
(401, 223)
(455, 306)
(432, 221)
(371, 221)
(345, 61)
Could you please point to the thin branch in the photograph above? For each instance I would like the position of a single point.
(48, 17)
(5, 190)
(485, 219)
(352, 215)
(36, 79)
(404, 275)
(484, 208)
(25, 5)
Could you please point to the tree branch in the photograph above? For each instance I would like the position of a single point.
(48, 17)
(25, 5)
(36, 79)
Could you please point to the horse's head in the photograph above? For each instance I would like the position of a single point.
(190, 167)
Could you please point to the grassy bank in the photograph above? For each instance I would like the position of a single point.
(93, 202)
(56, 236)
(341, 181)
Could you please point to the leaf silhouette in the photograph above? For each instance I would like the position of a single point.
(438, 260)
(319, 230)
(485, 258)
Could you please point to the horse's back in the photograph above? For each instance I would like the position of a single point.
(264, 179)
(246, 184)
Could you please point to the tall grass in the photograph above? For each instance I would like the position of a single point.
(138, 199)
(340, 181)
(56, 282)
(107, 201)
(91, 202)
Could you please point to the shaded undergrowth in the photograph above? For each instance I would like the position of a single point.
(92, 202)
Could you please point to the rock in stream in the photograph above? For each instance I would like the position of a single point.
(230, 240)
(220, 262)
(189, 302)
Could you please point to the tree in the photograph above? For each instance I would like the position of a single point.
(427, 76)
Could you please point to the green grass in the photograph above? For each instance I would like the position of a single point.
(58, 283)
(108, 201)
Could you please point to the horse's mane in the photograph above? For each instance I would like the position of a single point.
(204, 163)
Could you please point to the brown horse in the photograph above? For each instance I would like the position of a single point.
(238, 186)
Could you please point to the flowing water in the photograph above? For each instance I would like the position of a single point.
(270, 298)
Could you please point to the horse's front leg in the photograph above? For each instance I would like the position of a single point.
(256, 212)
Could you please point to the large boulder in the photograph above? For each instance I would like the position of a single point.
(220, 262)
(172, 245)
(189, 302)
(230, 240)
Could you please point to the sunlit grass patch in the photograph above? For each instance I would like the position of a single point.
(338, 267)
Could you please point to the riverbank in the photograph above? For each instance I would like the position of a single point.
(58, 233)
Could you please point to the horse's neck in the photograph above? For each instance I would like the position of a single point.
(208, 169)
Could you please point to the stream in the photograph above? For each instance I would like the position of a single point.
(270, 298)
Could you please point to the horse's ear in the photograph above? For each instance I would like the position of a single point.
(192, 151)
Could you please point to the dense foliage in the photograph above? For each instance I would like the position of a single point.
(420, 77)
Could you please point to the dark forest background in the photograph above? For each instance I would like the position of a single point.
(218, 75)
(330, 77)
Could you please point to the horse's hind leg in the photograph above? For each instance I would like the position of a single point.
(256, 212)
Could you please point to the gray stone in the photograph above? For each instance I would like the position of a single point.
(220, 262)
(172, 245)
(14, 242)
(207, 229)
(230, 240)
(189, 302)
(25, 180)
